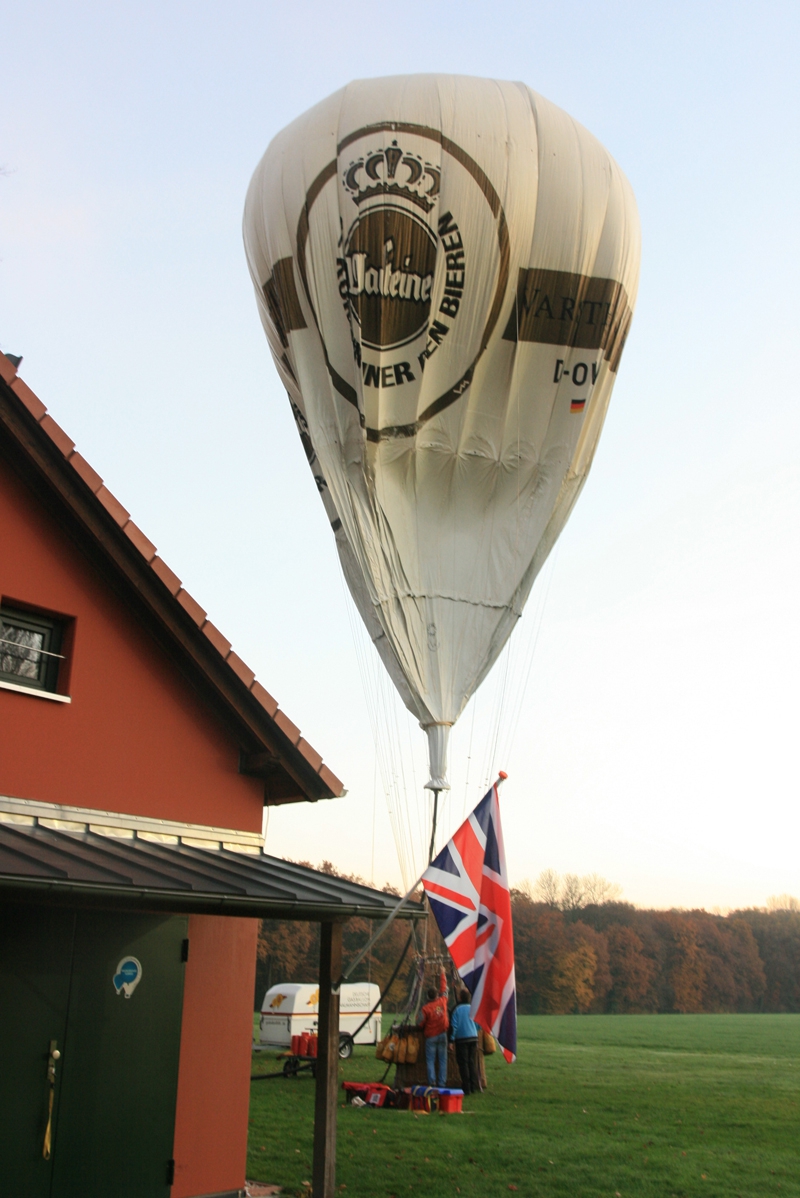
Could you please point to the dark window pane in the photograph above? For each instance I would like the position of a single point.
(19, 652)
(29, 649)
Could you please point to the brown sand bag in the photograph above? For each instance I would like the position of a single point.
(402, 1045)
(412, 1049)
(390, 1049)
(487, 1043)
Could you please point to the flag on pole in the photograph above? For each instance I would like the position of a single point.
(467, 888)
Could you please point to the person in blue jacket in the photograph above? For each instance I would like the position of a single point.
(464, 1034)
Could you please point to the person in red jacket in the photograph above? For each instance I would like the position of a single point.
(434, 1023)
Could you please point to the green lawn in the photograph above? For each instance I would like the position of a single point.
(600, 1105)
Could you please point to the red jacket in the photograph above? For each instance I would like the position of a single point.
(434, 1019)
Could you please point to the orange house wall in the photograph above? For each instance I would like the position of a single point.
(214, 1074)
(136, 738)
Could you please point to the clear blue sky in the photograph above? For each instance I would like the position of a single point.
(656, 742)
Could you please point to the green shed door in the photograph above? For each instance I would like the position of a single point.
(120, 1066)
(35, 962)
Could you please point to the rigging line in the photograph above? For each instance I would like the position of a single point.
(538, 631)
(527, 672)
(374, 813)
(387, 987)
(401, 759)
(400, 795)
(372, 701)
(502, 687)
(389, 711)
(492, 699)
(391, 752)
(498, 687)
(417, 793)
(517, 657)
(527, 663)
(500, 712)
(469, 759)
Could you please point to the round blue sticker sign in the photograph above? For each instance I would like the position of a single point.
(128, 976)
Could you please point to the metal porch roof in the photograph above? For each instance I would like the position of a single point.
(60, 865)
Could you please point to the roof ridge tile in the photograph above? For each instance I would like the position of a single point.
(142, 543)
(31, 401)
(262, 696)
(8, 371)
(92, 479)
(287, 727)
(112, 505)
(240, 668)
(220, 643)
(192, 607)
(334, 784)
(310, 753)
(57, 435)
(168, 577)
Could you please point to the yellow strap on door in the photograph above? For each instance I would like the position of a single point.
(54, 1056)
(49, 1129)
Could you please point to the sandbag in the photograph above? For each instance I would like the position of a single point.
(390, 1048)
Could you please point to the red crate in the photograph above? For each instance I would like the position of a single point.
(373, 1093)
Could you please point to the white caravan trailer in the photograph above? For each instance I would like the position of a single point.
(291, 1009)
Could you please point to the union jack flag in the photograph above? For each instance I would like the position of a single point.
(467, 888)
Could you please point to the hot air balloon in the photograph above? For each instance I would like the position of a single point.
(446, 270)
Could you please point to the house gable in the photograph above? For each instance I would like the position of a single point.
(163, 719)
(134, 737)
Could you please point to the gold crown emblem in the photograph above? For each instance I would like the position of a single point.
(393, 172)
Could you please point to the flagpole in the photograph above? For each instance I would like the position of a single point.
(501, 777)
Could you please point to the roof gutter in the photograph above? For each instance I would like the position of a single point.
(179, 903)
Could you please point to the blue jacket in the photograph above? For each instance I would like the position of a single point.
(462, 1027)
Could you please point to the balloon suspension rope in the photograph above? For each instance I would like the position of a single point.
(436, 794)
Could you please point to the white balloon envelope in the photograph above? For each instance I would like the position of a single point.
(446, 270)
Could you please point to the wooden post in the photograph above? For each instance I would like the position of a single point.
(330, 970)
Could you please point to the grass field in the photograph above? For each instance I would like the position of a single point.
(600, 1105)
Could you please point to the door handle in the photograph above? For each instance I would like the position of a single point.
(52, 1059)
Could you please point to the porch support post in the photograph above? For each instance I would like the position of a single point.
(330, 970)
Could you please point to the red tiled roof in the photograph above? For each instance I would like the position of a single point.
(240, 674)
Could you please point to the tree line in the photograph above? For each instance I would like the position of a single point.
(580, 949)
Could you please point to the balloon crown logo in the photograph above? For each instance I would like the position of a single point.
(393, 172)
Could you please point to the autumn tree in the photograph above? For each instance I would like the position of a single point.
(777, 936)
(632, 971)
(572, 892)
(579, 949)
(540, 941)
